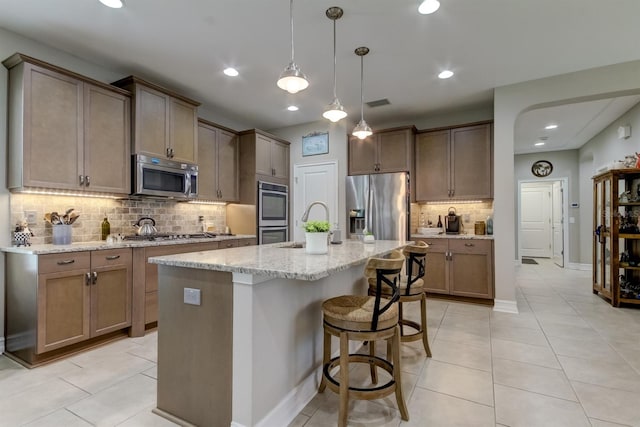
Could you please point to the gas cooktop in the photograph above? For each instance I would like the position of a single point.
(164, 236)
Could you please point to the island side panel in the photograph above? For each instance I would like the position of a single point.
(195, 346)
(285, 339)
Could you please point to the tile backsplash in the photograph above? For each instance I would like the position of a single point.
(170, 216)
(476, 212)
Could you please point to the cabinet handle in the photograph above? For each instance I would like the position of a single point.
(111, 257)
(81, 179)
(87, 180)
(94, 278)
(172, 153)
(66, 262)
(229, 245)
(87, 278)
(469, 245)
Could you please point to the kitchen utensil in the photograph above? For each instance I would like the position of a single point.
(73, 217)
(146, 229)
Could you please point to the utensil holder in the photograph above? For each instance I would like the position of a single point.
(62, 234)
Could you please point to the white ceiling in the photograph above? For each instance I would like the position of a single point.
(185, 45)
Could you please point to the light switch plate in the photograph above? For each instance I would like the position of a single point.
(191, 296)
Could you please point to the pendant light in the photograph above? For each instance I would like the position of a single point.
(427, 7)
(292, 79)
(362, 129)
(335, 111)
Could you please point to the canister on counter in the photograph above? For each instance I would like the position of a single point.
(480, 227)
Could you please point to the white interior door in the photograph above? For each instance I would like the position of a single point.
(310, 183)
(557, 204)
(535, 219)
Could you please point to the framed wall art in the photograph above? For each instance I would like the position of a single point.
(315, 143)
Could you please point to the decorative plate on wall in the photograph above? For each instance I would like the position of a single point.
(542, 168)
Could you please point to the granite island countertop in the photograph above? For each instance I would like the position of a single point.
(102, 245)
(280, 260)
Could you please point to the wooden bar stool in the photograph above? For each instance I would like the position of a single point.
(365, 318)
(411, 290)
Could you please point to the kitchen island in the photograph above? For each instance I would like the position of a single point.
(245, 349)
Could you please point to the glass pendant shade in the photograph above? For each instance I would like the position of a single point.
(114, 4)
(362, 130)
(428, 6)
(292, 79)
(335, 111)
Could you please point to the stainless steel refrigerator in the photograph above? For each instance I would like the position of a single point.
(379, 204)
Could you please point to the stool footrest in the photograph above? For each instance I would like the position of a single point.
(361, 392)
(416, 336)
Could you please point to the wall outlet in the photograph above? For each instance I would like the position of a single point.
(31, 217)
(466, 217)
(191, 296)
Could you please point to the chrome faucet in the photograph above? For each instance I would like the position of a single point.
(305, 216)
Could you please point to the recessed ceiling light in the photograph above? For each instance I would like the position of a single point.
(292, 108)
(428, 6)
(445, 74)
(231, 72)
(539, 144)
(114, 4)
(549, 127)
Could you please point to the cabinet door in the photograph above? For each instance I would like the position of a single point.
(394, 153)
(183, 125)
(363, 155)
(263, 156)
(152, 122)
(432, 166)
(53, 125)
(471, 268)
(111, 287)
(63, 309)
(228, 165)
(106, 140)
(207, 162)
(436, 278)
(471, 169)
(280, 160)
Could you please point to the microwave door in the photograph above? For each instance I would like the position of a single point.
(161, 181)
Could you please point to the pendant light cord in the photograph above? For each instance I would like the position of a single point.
(335, 94)
(291, 21)
(361, 87)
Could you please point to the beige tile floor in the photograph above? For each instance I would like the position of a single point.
(568, 359)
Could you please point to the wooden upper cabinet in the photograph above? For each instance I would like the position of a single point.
(66, 131)
(385, 151)
(107, 136)
(217, 162)
(432, 166)
(165, 123)
(263, 157)
(454, 164)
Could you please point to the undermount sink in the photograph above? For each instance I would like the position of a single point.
(293, 245)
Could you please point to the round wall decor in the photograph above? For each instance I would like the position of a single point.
(542, 168)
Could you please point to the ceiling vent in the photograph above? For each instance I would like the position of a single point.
(378, 103)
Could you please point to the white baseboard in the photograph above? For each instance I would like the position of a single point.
(1, 345)
(578, 266)
(505, 306)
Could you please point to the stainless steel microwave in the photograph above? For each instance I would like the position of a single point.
(153, 176)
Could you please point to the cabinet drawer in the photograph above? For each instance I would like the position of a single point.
(436, 244)
(68, 261)
(233, 243)
(110, 257)
(470, 246)
(247, 242)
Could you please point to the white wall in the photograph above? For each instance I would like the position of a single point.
(338, 149)
(565, 165)
(509, 102)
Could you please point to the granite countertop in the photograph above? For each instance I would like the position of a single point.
(452, 236)
(102, 245)
(280, 260)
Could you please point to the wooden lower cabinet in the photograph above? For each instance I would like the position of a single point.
(460, 267)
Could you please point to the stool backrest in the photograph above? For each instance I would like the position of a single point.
(384, 270)
(416, 256)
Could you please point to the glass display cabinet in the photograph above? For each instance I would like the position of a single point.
(616, 242)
